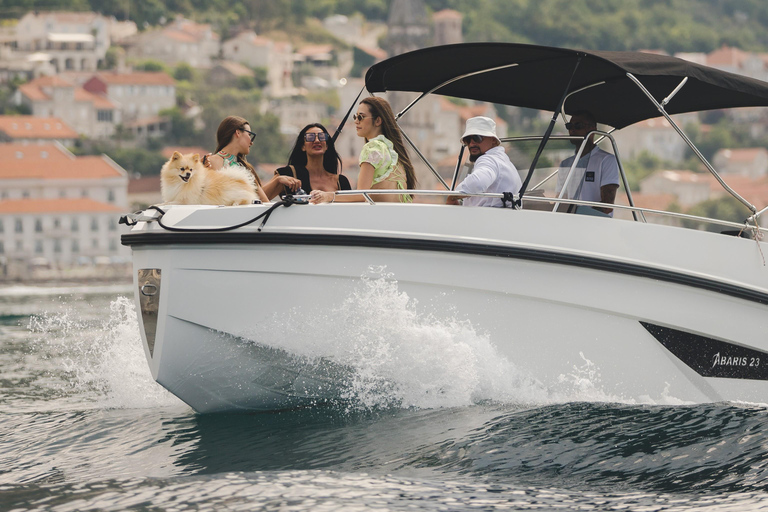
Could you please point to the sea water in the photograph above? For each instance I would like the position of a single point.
(433, 420)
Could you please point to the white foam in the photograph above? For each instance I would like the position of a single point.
(103, 364)
(401, 356)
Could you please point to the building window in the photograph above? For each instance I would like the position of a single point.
(62, 194)
(113, 245)
(25, 194)
(19, 246)
(38, 247)
(18, 226)
(112, 225)
(94, 224)
(75, 225)
(57, 223)
(95, 243)
(111, 196)
(57, 246)
(2, 228)
(104, 116)
(2, 248)
(84, 192)
(75, 246)
(38, 225)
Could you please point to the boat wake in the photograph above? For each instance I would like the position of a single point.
(400, 355)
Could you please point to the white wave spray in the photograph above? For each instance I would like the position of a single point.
(101, 362)
(402, 357)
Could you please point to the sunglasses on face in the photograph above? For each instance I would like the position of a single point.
(477, 139)
(576, 126)
(310, 137)
(358, 117)
(250, 133)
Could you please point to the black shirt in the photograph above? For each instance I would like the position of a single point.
(303, 174)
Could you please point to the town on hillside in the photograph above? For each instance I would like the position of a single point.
(94, 106)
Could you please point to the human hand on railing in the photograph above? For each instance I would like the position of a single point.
(454, 200)
(291, 183)
(320, 196)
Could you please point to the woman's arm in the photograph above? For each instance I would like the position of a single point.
(274, 186)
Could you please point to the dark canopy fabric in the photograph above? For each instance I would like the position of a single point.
(542, 73)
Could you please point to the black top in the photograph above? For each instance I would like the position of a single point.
(538, 76)
(303, 174)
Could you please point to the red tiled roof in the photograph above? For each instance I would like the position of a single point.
(33, 154)
(315, 49)
(100, 102)
(726, 56)
(83, 167)
(144, 184)
(181, 37)
(137, 78)
(30, 127)
(742, 154)
(56, 206)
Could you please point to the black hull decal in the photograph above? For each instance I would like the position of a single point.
(710, 357)
(499, 251)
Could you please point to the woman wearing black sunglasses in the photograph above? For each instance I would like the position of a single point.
(313, 164)
(234, 139)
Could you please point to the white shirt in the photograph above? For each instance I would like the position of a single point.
(493, 173)
(594, 170)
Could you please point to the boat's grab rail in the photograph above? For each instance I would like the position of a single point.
(551, 200)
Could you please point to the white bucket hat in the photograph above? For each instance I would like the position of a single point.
(480, 125)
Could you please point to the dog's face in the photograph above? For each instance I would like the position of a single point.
(183, 166)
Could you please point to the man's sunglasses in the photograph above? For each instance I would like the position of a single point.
(477, 139)
(250, 134)
(576, 126)
(311, 136)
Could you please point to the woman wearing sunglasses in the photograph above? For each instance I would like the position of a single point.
(234, 139)
(312, 165)
(384, 162)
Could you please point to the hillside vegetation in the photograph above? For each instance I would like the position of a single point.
(671, 25)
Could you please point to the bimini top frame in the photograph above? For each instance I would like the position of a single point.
(615, 86)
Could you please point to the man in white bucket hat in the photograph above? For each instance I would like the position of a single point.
(493, 171)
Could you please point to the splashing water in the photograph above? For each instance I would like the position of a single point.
(401, 357)
(101, 361)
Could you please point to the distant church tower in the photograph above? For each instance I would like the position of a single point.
(447, 27)
(407, 27)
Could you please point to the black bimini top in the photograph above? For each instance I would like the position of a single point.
(542, 74)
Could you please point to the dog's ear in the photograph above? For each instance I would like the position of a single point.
(196, 157)
(176, 155)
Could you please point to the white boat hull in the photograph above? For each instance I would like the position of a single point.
(658, 312)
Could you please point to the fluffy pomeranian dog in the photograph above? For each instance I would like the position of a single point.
(184, 179)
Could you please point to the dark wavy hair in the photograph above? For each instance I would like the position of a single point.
(227, 128)
(331, 159)
(380, 107)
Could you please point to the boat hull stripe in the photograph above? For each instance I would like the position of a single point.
(499, 251)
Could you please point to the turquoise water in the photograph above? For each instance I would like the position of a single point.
(84, 427)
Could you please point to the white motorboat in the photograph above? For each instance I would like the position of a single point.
(242, 308)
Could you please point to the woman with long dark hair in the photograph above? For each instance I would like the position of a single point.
(313, 164)
(384, 161)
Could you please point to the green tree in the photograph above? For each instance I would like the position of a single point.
(184, 71)
(724, 208)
